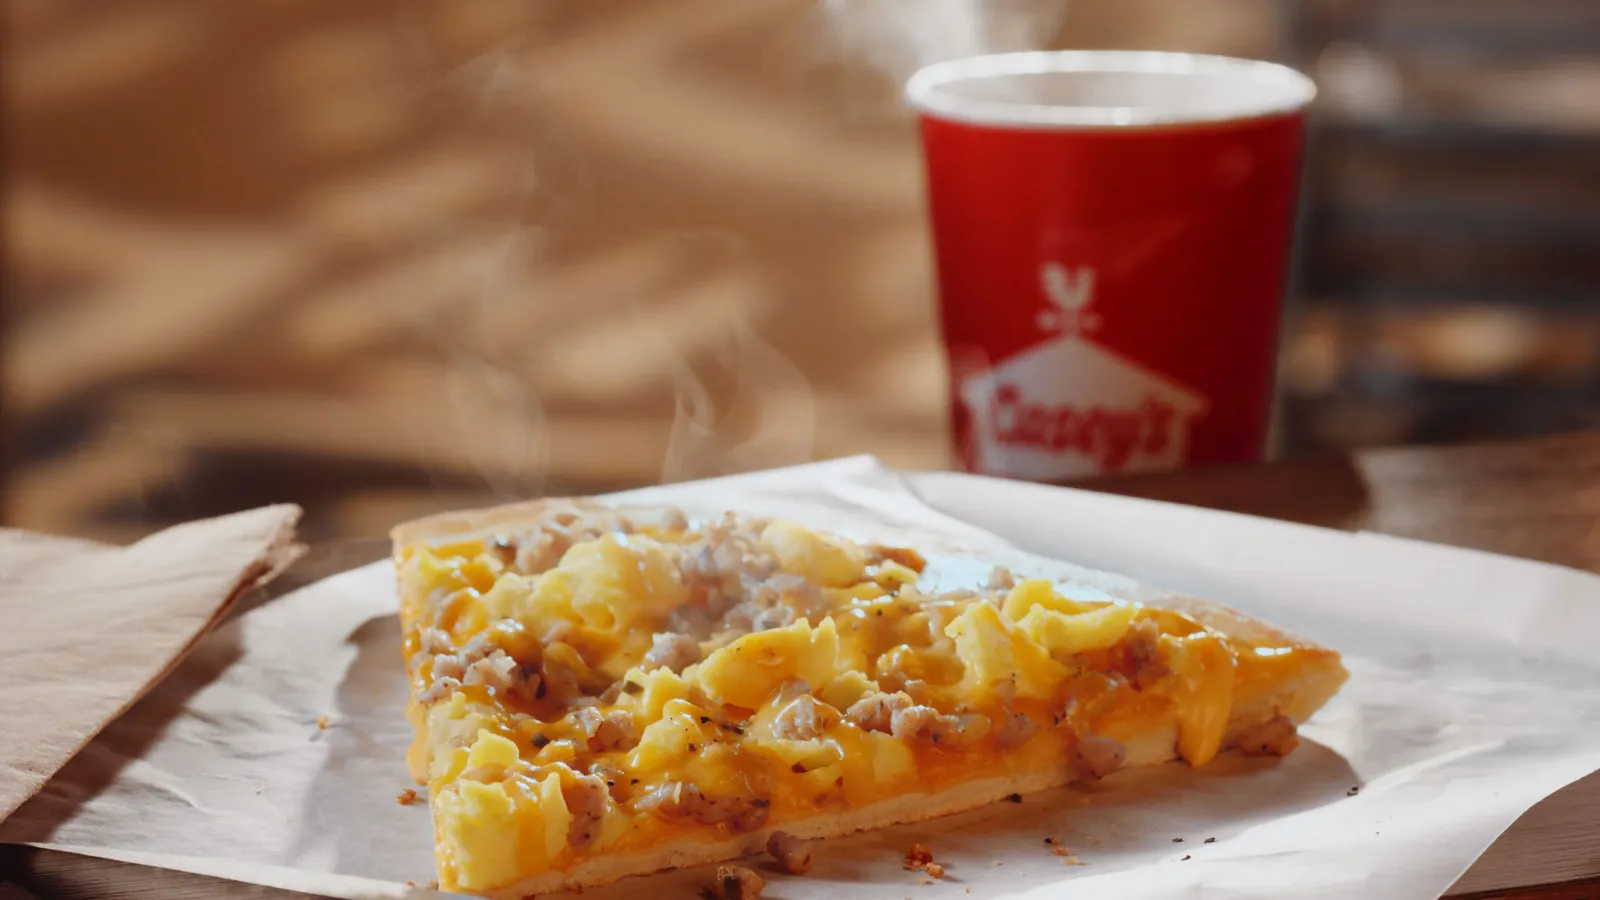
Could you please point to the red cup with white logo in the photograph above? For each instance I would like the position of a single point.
(1112, 232)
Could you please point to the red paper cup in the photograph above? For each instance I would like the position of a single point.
(1112, 231)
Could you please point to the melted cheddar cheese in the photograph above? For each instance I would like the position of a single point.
(812, 674)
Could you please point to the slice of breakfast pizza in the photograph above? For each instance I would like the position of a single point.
(600, 693)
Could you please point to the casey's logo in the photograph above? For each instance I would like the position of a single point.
(1111, 436)
(1069, 406)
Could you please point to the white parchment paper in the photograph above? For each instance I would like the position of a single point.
(1474, 693)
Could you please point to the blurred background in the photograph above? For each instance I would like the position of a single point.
(381, 257)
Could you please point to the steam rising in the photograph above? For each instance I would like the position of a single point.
(484, 384)
(770, 421)
(748, 406)
(900, 36)
(509, 446)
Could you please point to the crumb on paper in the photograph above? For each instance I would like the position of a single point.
(737, 883)
(1177, 840)
(792, 854)
(924, 880)
(1354, 790)
(995, 862)
(1186, 858)
(410, 883)
(431, 884)
(322, 723)
(966, 890)
(407, 797)
(1067, 859)
(920, 859)
(1211, 840)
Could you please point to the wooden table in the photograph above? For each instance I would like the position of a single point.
(1536, 498)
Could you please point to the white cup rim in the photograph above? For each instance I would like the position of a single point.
(1291, 91)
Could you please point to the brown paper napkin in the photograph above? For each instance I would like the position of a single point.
(86, 629)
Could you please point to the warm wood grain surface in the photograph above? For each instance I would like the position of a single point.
(245, 242)
(1536, 498)
(1539, 499)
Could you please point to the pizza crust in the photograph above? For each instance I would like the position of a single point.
(466, 524)
(1313, 684)
(898, 811)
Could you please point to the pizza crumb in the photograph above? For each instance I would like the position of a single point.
(920, 859)
(407, 797)
(1354, 790)
(792, 854)
(322, 723)
(995, 862)
(1067, 859)
(736, 883)
(924, 881)
(1015, 798)
(966, 890)
(1186, 858)
(1177, 840)
(411, 883)
(1211, 840)
(431, 884)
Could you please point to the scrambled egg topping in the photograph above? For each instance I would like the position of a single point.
(604, 685)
